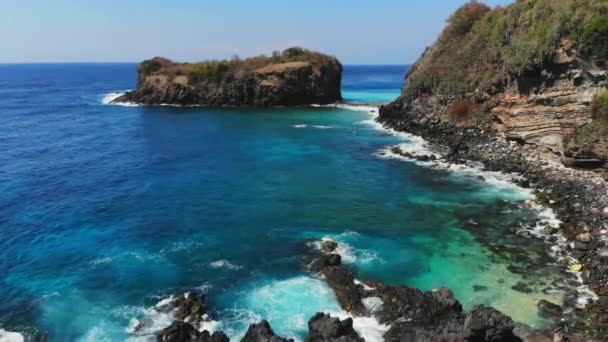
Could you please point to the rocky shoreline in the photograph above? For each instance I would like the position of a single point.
(580, 198)
(407, 313)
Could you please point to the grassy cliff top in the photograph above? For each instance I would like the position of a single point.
(481, 48)
(291, 58)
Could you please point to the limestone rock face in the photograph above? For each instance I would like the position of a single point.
(295, 77)
(546, 106)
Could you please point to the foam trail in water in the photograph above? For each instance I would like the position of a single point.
(224, 264)
(313, 126)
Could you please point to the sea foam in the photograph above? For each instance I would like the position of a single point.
(289, 304)
(224, 264)
(312, 126)
(347, 252)
(9, 336)
(108, 98)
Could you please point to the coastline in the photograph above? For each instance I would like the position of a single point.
(495, 176)
(577, 199)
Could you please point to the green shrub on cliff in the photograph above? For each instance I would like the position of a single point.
(594, 38)
(201, 73)
(599, 106)
(463, 19)
(152, 65)
(480, 49)
(597, 129)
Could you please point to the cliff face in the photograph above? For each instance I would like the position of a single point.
(294, 77)
(529, 71)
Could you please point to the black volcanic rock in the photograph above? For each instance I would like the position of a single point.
(324, 328)
(548, 309)
(189, 307)
(262, 332)
(183, 332)
(325, 260)
(342, 281)
(295, 77)
(488, 324)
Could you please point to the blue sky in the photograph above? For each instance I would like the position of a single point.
(356, 31)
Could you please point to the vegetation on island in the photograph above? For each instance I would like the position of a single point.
(216, 71)
(482, 48)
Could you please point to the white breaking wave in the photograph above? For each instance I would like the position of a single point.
(358, 108)
(372, 304)
(108, 98)
(145, 322)
(348, 253)
(416, 145)
(313, 126)
(224, 264)
(288, 305)
(559, 249)
(9, 336)
(101, 261)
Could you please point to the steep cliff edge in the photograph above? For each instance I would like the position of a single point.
(294, 77)
(529, 71)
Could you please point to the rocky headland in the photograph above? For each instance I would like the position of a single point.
(293, 77)
(522, 89)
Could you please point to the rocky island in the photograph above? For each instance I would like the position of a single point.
(293, 77)
(522, 89)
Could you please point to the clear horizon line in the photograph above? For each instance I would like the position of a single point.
(131, 62)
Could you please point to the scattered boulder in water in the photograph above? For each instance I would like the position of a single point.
(414, 315)
(324, 328)
(522, 287)
(184, 332)
(328, 246)
(548, 309)
(479, 288)
(262, 332)
(189, 308)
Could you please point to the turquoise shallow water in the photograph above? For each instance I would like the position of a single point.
(106, 210)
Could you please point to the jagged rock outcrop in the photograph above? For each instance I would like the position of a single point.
(262, 332)
(324, 328)
(294, 77)
(412, 315)
(184, 332)
(189, 307)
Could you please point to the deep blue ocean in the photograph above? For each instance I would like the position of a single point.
(106, 210)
